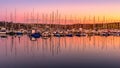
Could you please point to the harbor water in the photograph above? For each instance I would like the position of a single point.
(60, 52)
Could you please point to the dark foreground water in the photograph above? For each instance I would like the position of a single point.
(65, 52)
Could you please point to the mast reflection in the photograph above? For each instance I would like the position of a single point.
(29, 46)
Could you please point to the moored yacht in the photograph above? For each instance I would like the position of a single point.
(35, 33)
(3, 31)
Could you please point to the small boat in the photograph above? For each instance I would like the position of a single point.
(3, 35)
(46, 34)
(69, 35)
(19, 33)
(118, 33)
(33, 39)
(35, 34)
(57, 34)
(45, 37)
(105, 34)
(3, 31)
(78, 34)
(11, 32)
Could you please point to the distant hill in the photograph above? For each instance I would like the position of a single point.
(114, 25)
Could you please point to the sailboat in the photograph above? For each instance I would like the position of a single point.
(81, 31)
(3, 33)
(78, 31)
(105, 32)
(34, 31)
(11, 31)
(20, 31)
(3, 30)
(69, 32)
(46, 34)
(33, 39)
(51, 23)
(57, 32)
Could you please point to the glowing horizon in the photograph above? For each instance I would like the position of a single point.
(82, 10)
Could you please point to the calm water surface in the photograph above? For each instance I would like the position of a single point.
(64, 52)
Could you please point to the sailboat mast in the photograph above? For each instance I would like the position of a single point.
(37, 19)
(65, 22)
(103, 22)
(53, 19)
(57, 19)
(33, 19)
(15, 15)
(84, 22)
(43, 19)
(98, 21)
(6, 19)
(24, 17)
(46, 22)
(11, 19)
(50, 22)
(59, 16)
(27, 20)
(71, 27)
(80, 23)
(94, 22)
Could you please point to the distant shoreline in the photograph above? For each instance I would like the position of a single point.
(114, 25)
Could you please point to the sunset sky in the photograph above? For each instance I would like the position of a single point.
(72, 9)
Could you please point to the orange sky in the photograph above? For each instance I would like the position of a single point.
(82, 10)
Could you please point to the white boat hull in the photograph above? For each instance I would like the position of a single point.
(2, 32)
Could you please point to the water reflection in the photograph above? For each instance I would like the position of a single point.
(23, 45)
(67, 50)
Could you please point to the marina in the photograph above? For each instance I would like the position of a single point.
(60, 30)
(59, 34)
(59, 43)
(25, 51)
